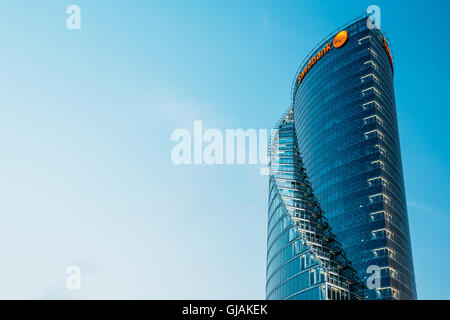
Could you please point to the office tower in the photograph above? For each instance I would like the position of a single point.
(341, 134)
(346, 126)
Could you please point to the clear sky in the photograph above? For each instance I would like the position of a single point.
(86, 116)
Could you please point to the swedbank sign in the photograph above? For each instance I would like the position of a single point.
(339, 40)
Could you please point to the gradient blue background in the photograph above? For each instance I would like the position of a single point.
(85, 123)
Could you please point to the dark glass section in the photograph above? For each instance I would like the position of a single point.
(304, 260)
(347, 131)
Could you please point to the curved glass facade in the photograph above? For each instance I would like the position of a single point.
(347, 131)
(304, 260)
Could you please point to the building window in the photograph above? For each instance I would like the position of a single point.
(384, 233)
(378, 181)
(389, 272)
(368, 77)
(303, 262)
(372, 52)
(374, 134)
(380, 149)
(379, 234)
(369, 91)
(395, 294)
(372, 64)
(364, 40)
(312, 278)
(389, 218)
(373, 119)
(378, 164)
(370, 105)
(377, 215)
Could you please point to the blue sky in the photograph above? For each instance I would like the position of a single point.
(85, 125)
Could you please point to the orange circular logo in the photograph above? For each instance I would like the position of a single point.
(340, 39)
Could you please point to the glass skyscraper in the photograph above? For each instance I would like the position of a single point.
(352, 214)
